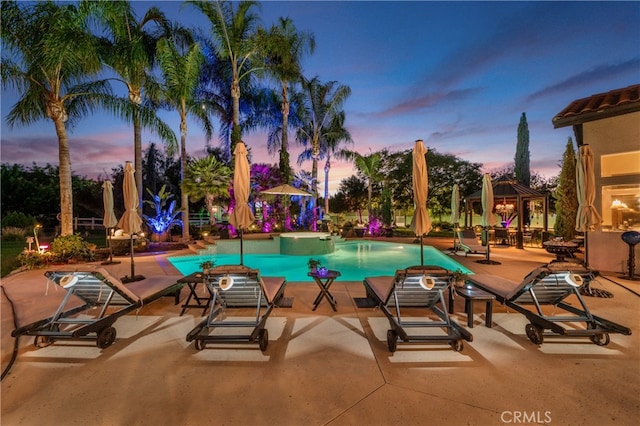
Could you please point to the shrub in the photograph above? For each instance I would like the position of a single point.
(34, 259)
(71, 247)
(18, 220)
(14, 233)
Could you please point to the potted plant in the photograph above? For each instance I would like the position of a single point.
(206, 266)
(313, 264)
(459, 278)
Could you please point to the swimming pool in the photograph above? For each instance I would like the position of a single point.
(354, 259)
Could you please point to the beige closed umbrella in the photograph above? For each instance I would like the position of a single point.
(109, 219)
(242, 215)
(421, 223)
(587, 218)
(130, 222)
(488, 218)
(455, 212)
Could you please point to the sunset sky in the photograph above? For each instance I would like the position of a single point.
(456, 74)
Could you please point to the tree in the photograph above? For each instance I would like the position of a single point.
(369, 166)
(128, 48)
(51, 58)
(352, 193)
(207, 178)
(180, 67)
(322, 103)
(522, 158)
(566, 195)
(234, 31)
(283, 47)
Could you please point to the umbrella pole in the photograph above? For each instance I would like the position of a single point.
(241, 247)
(133, 276)
(487, 260)
(421, 251)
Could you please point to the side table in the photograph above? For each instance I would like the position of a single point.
(192, 281)
(324, 279)
(471, 294)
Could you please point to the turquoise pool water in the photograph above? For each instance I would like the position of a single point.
(354, 259)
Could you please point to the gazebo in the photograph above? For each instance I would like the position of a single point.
(510, 197)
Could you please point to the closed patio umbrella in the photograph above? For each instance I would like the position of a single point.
(488, 217)
(587, 218)
(242, 215)
(421, 223)
(130, 222)
(455, 211)
(109, 220)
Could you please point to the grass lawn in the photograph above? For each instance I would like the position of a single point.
(9, 250)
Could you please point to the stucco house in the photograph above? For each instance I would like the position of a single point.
(610, 123)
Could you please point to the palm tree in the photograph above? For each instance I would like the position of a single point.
(369, 166)
(207, 178)
(181, 72)
(234, 31)
(283, 47)
(331, 146)
(129, 50)
(322, 103)
(50, 57)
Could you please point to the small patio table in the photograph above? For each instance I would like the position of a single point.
(324, 279)
(192, 281)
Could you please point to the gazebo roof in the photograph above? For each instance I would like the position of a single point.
(507, 188)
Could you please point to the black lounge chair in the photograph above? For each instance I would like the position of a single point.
(92, 302)
(417, 287)
(238, 287)
(551, 284)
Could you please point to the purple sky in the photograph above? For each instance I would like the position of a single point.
(456, 74)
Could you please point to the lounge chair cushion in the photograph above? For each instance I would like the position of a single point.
(272, 286)
(497, 285)
(381, 286)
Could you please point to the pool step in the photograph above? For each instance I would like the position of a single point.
(202, 247)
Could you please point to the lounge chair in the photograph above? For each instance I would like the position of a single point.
(92, 303)
(419, 287)
(469, 243)
(238, 287)
(551, 284)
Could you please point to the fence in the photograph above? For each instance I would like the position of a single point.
(96, 222)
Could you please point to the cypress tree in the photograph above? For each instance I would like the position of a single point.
(522, 159)
(566, 195)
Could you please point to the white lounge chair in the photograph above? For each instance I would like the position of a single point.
(469, 243)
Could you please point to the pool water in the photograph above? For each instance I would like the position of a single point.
(354, 259)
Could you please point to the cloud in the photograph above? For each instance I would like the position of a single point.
(434, 99)
(604, 72)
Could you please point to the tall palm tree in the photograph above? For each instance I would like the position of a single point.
(322, 102)
(180, 67)
(234, 31)
(283, 47)
(207, 178)
(51, 59)
(332, 146)
(128, 48)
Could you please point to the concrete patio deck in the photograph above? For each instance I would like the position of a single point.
(328, 368)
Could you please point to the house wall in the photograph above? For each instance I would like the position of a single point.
(620, 134)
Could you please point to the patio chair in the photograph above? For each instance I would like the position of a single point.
(469, 243)
(237, 288)
(551, 285)
(91, 304)
(416, 287)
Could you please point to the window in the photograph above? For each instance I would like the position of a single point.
(621, 207)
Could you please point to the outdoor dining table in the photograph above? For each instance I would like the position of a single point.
(199, 301)
(324, 278)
